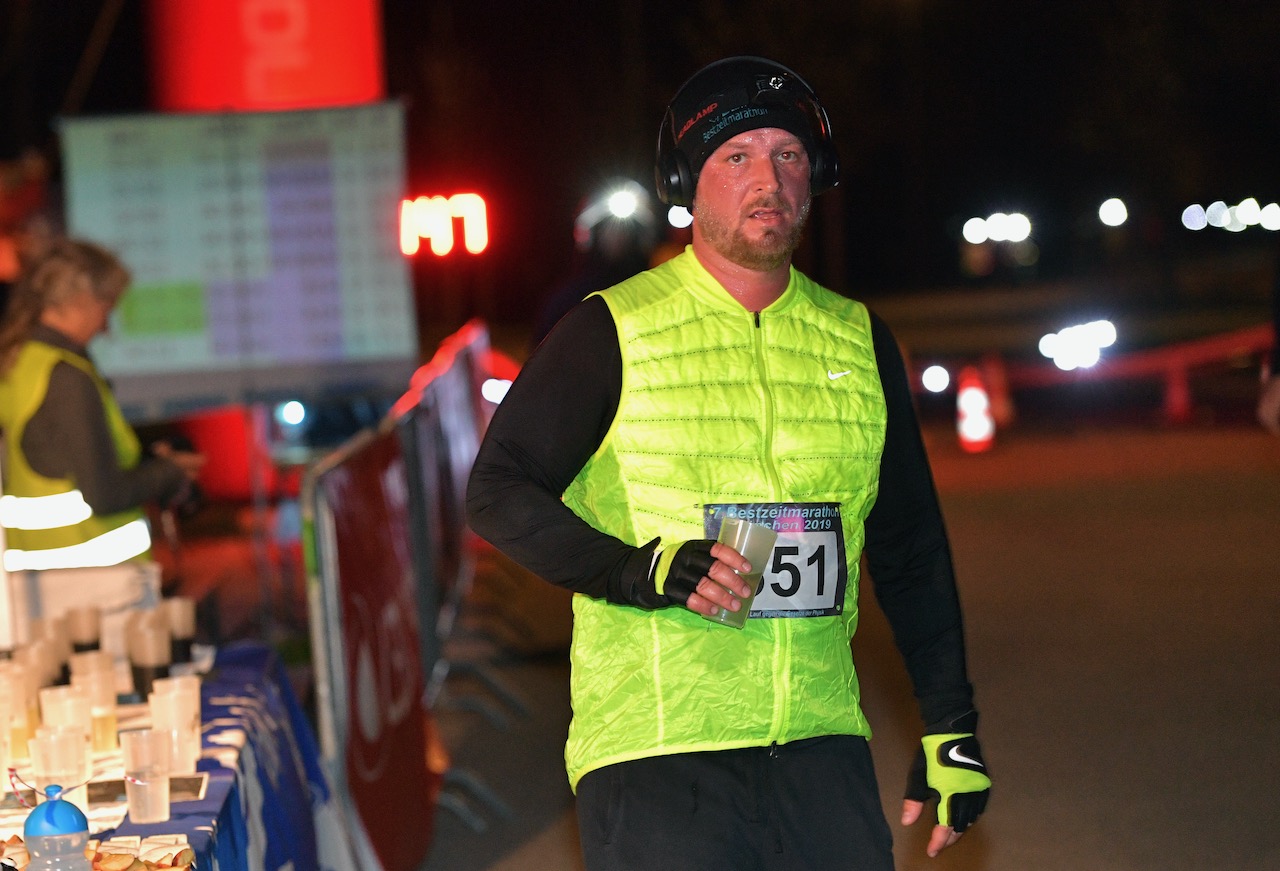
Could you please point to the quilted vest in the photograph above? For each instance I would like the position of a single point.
(47, 524)
(723, 405)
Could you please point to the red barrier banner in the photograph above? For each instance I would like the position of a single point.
(261, 55)
(391, 766)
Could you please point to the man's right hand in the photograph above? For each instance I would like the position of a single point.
(698, 574)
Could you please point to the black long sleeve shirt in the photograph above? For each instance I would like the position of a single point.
(555, 417)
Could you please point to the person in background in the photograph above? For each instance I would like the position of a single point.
(76, 480)
(724, 382)
(613, 237)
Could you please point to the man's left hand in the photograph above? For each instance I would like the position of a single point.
(949, 767)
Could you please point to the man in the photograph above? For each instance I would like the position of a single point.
(724, 382)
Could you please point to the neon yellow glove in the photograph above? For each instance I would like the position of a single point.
(949, 767)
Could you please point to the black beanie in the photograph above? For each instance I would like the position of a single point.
(732, 96)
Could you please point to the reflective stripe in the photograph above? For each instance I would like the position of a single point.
(108, 549)
(44, 512)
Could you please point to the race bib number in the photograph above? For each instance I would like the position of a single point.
(807, 573)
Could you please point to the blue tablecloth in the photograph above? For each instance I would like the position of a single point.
(265, 780)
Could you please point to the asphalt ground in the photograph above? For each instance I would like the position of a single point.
(1122, 613)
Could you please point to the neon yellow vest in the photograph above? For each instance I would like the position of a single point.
(716, 408)
(47, 523)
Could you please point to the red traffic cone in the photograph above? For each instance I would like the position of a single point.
(975, 424)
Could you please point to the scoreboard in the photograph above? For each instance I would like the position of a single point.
(264, 248)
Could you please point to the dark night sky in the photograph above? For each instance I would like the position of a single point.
(941, 110)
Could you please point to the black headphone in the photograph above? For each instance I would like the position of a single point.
(674, 177)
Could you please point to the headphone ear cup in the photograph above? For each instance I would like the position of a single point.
(674, 179)
(825, 173)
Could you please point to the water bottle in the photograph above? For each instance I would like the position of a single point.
(56, 834)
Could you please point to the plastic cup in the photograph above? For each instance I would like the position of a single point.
(91, 660)
(84, 625)
(755, 542)
(149, 652)
(15, 682)
(61, 755)
(100, 685)
(180, 612)
(178, 711)
(147, 762)
(6, 719)
(66, 706)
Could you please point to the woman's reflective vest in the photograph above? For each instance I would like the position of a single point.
(47, 524)
(721, 405)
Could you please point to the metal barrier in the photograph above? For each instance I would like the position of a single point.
(1171, 363)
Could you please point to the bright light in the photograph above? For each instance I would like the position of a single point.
(432, 218)
(974, 231)
(976, 426)
(679, 217)
(1217, 214)
(475, 220)
(1248, 211)
(1080, 346)
(1113, 212)
(999, 227)
(1018, 228)
(623, 204)
(1234, 219)
(1194, 218)
(935, 379)
(1269, 216)
(973, 401)
(291, 413)
(495, 389)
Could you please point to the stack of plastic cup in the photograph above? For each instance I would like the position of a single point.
(52, 631)
(6, 718)
(149, 649)
(84, 627)
(97, 680)
(22, 718)
(180, 612)
(175, 705)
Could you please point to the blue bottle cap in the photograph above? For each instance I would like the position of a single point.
(57, 816)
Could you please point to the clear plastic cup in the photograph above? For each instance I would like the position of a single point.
(180, 612)
(178, 710)
(61, 755)
(66, 706)
(100, 686)
(84, 626)
(755, 542)
(149, 651)
(147, 763)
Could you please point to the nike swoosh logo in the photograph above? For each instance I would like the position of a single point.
(834, 375)
(955, 755)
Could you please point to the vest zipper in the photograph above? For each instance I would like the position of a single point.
(782, 658)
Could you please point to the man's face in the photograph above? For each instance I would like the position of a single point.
(752, 198)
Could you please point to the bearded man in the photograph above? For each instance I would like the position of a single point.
(725, 383)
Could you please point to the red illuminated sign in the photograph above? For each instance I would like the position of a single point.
(220, 55)
(432, 218)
